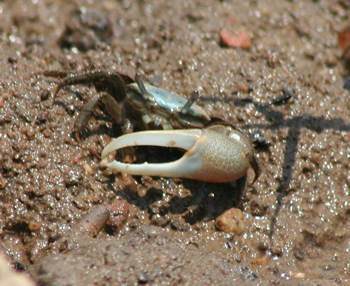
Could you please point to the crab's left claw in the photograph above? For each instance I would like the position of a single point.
(211, 156)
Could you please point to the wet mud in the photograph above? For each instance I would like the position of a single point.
(285, 90)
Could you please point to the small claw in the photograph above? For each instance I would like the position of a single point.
(77, 136)
(211, 156)
(57, 89)
(53, 73)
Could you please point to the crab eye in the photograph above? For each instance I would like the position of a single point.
(142, 88)
(190, 101)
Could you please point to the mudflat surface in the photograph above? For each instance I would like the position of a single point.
(296, 215)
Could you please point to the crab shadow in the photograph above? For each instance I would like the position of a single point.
(294, 126)
(203, 201)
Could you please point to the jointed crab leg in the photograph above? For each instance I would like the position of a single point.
(211, 156)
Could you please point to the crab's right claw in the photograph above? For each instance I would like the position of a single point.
(211, 156)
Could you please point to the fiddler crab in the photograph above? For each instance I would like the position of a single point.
(215, 152)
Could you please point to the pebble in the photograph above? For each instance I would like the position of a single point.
(119, 212)
(231, 220)
(34, 225)
(45, 94)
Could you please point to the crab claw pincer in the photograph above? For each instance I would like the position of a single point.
(210, 155)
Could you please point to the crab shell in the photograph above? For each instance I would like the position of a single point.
(165, 104)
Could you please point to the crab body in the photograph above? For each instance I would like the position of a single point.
(162, 109)
(131, 103)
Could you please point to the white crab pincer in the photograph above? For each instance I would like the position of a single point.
(215, 154)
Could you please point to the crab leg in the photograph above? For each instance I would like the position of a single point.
(211, 156)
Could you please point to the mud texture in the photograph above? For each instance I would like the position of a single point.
(286, 91)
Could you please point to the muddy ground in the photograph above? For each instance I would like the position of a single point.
(297, 215)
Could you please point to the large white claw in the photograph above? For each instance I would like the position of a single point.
(211, 156)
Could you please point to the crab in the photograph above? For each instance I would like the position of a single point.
(218, 153)
(215, 152)
(132, 103)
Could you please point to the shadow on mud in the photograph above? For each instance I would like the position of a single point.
(294, 125)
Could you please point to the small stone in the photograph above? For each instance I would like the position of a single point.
(47, 133)
(316, 158)
(3, 183)
(30, 131)
(159, 220)
(258, 208)
(34, 225)
(344, 38)
(240, 39)
(45, 94)
(160, 207)
(263, 245)
(231, 220)
(276, 250)
(119, 212)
